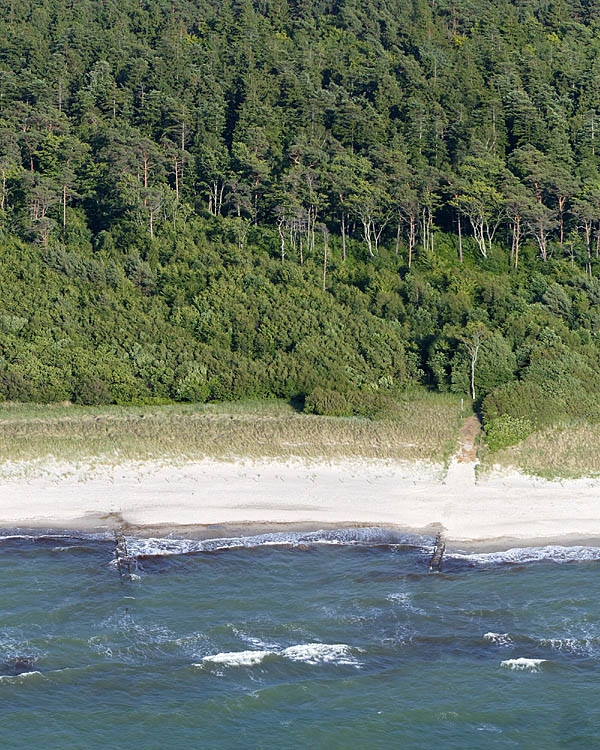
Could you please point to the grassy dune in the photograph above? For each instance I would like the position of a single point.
(424, 427)
(561, 451)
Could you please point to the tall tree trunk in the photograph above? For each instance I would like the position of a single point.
(325, 252)
(281, 237)
(367, 233)
(542, 242)
(182, 146)
(561, 218)
(460, 252)
(430, 229)
(474, 353)
(411, 238)
(517, 239)
(424, 235)
(588, 232)
(343, 237)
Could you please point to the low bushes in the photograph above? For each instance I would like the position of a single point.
(506, 430)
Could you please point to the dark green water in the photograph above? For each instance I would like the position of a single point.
(319, 646)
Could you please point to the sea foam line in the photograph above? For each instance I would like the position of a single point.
(164, 546)
(308, 653)
(554, 553)
(362, 536)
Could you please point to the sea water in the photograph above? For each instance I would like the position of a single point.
(333, 640)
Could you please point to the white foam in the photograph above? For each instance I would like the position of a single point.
(95, 537)
(578, 646)
(236, 658)
(321, 653)
(361, 536)
(555, 553)
(17, 677)
(523, 664)
(308, 653)
(499, 639)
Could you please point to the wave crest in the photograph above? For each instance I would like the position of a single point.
(308, 653)
(523, 664)
(18, 677)
(499, 639)
(236, 658)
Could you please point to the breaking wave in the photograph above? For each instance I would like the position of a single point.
(554, 553)
(499, 639)
(236, 658)
(523, 664)
(309, 653)
(18, 677)
(362, 536)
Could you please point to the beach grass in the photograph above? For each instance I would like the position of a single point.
(423, 427)
(563, 451)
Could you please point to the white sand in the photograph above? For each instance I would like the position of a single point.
(409, 496)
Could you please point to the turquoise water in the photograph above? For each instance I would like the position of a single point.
(311, 645)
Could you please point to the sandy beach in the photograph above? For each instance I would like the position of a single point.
(217, 498)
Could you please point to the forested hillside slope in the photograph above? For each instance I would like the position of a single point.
(333, 201)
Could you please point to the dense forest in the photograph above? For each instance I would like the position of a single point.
(332, 201)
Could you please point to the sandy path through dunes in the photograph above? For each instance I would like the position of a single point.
(461, 470)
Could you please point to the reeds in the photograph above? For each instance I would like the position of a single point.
(567, 450)
(423, 428)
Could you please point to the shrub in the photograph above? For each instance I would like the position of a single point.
(191, 383)
(14, 386)
(328, 403)
(89, 390)
(524, 400)
(372, 403)
(504, 431)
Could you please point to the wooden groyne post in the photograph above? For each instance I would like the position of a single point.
(437, 558)
(122, 557)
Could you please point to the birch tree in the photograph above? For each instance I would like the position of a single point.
(471, 337)
(478, 197)
(534, 169)
(371, 205)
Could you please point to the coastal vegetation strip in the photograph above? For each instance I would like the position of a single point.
(422, 428)
(567, 451)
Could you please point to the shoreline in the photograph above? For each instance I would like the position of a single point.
(212, 499)
(214, 533)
